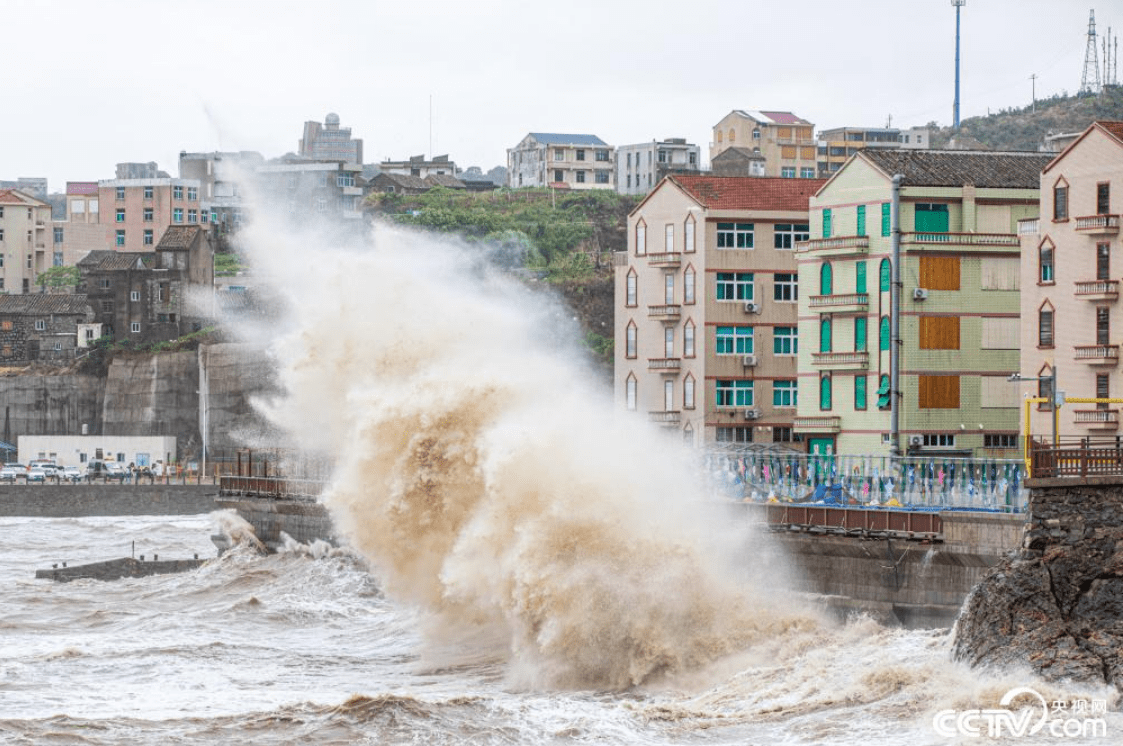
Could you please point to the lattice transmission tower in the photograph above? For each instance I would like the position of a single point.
(1090, 81)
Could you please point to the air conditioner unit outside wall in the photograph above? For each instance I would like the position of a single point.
(749, 361)
(920, 294)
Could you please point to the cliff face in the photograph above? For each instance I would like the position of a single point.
(1058, 604)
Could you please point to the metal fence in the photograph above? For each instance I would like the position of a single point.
(909, 481)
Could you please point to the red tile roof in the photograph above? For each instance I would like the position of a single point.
(784, 117)
(749, 192)
(10, 197)
(1115, 128)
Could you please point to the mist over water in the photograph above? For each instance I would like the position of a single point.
(489, 483)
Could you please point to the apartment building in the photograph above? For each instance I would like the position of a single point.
(1070, 314)
(561, 161)
(322, 191)
(640, 167)
(420, 166)
(706, 308)
(25, 227)
(785, 141)
(220, 176)
(329, 142)
(835, 146)
(957, 213)
(138, 211)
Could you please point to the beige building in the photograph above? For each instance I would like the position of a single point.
(25, 240)
(706, 308)
(785, 141)
(560, 161)
(1070, 313)
(835, 146)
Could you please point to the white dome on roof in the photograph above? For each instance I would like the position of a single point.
(331, 118)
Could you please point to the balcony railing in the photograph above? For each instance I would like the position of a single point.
(1098, 354)
(665, 259)
(665, 313)
(1098, 419)
(837, 243)
(1101, 224)
(1028, 226)
(619, 259)
(852, 301)
(824, 424)
(665, 418)
(1098, 289)
(666, 365)
(963, 239)
(847, 360)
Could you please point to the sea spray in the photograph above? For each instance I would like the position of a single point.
(486, 480)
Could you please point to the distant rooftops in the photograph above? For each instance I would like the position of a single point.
(749, 192)
(552, 138)
(953, 168)
(772, 117)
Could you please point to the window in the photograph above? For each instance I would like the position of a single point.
(825, 279)
(883, 395)
(134, 295)
(688, 392)
(602, 155)
(148, 192)
(177, 215)
(1103, 326)
(756, 134)
(1, 234)
(938, 391)
(939, 272)
(825, 393)
(177, 192)
(883, 333)
(733, 435)
(558, 175)
(58, 235)
(193, 192)
(735, 235)
(807, 173)
(860, 277)
(120, 192)
(668, 341)
(107, 306)
(859, 333)
(785, 287)
(931, 218)
(669, 238)
(1045, 263)
(783, 435)
(783, 394)
(885, 219)
(735, 286)
(631, 301)
(1045, 387)
(1103, 199)
(861, 220)
(662, 156)
(580, 177)
(688, 236)
(1000, 440)
(859, 392)
(787, 172)
(601, 177)
(688, 286)
(149, 237)
(1103, 261)
(148, 214)
(938, 440)
(787, 235)
(785, 340)
(734, 393)
(826, 223)
(939, 332)
(40, 325)
(135, 327)
(1103, 389)
(630, 387)
(192, 216)
(120, 238)
(885, 275)
(734, 340)
(559, 155)
(669, 289)
(203, 214)
(641, 238)
(825, 335)
(1060, 202)
(580, 154)
(688, 339)
(57, 259)
(120, 215)
(105, 283)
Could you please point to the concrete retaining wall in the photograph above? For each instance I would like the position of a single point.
(304, 520)
(80, 500)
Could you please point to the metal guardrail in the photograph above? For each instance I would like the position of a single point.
(277, 488)
(1085, 457)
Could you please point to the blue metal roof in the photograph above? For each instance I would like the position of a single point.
(551, 138)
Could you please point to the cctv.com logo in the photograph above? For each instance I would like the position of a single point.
(1076, 719)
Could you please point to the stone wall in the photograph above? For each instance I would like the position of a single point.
(1057, 605)
(305, 521)
(80, 500)
(49, 404)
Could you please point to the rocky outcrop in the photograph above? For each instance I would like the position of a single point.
(1056, 605)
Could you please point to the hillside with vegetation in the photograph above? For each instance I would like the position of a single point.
(564, 239)
(1027, 127)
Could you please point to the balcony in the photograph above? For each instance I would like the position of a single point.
(841, 360)
(666, 419)
(668, 366)
(852, 303)
(825, 424)
(796, 141)
(1098, 419)
(1098, 290)
(1098, 354)
(352, 191)
(666, 259)
(619, 259)
(666, 313)
(837, 245)
(1098, 225)
(988, 240)
(1028, 227)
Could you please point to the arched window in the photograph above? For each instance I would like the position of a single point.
(688, 235)
(732, 135)
(825, 335)
(1045, 258)
(688, 286)
(688, 392)
(688, 339)
(688, 435)
(632, 282)
(631, 392)
(631, 348)
(825, 279)
(1045, 325)
(719, 135)
(883, 333)
(825, 393)
(886, 272)
(641, 238)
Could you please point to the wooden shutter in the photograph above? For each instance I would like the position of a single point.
(938, 392)
(939, 332)
(939, 272)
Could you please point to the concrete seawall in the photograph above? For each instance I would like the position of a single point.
(81, 500)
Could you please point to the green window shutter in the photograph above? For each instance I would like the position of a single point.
(861, 220)
(825, 335)
(883, 393)
(859, 333)
(885, 222)
(931, 218)
(825, 393)
(886, 272)
(884, 333)
(825, 279)
(860, 277)
(827, 223)
(859, 392)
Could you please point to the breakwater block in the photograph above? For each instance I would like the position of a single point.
(126, 567)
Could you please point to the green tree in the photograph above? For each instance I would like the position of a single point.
(59, 277)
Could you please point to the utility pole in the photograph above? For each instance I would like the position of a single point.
(1033, 89)
(1090, 81)
(955, 114)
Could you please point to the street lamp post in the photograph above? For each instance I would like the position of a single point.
(1057, 397)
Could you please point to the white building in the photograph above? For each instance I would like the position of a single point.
(561, 161)
(639, 168)
(78, 450)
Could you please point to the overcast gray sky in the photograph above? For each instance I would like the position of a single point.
(89, 84)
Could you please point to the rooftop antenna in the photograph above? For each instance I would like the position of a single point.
(955, 112)
(1033, 90)
(1090, 81)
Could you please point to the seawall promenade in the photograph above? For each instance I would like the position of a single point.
(80, 500)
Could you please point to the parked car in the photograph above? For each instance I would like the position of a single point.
(9, 474)
(36, 474)
(103, 470)
(70, 474)
(19, 469)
